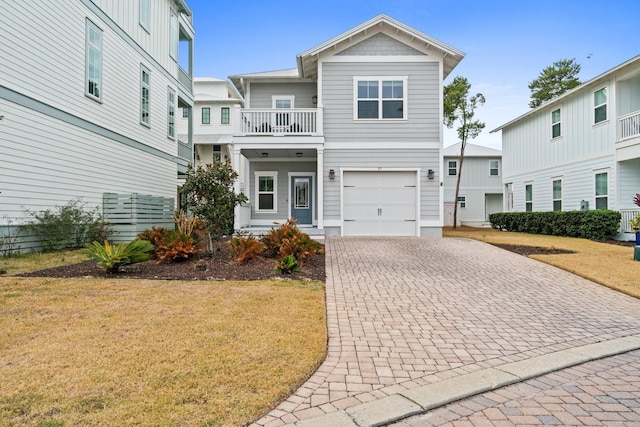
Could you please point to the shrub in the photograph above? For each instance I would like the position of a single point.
(112, 257)
(635, 222)
(276, 236)
(10, 240)
(300, 246)
(68, 226)
(171, 245)
(595, 224)
(287, 265)
(245, 248)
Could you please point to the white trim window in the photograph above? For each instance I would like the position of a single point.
(206, 115)
(557, 194)
(556, 130)
(600, 105)
(145, 14)
(266, 191)
(225, 115)
(145, 96)
(462, 202)
(173, 35)
(494, 167)
(185, 112)
(602, 190)
(171, 113)
(452, 168)
(380, 98)
(93, 76)
(528, 197)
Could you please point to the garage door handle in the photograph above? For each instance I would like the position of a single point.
(349, 220)
(379, 211)
(409, 220)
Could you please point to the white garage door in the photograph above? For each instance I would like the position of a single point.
(379, 203)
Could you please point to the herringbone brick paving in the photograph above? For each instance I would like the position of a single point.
(406, 312)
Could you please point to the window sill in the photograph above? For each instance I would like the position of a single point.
(604, 122)
(147, 125)
(371, 121)
(93, 98)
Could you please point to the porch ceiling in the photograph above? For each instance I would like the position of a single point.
(299, 155)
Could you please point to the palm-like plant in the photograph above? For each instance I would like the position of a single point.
(112, 257)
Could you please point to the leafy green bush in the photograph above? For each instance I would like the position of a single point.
(595, 224)
(68, 226)
(112, 257)
(287, 265)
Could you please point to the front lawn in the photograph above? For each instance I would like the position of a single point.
(96, 351)
(608, 264)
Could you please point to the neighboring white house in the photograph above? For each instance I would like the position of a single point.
(212, 120)
(351, 140)
(480, 184)
(89, 90)
(580, 150)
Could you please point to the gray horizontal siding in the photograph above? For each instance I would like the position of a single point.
(423, 104)
(475, 174)
(261, 93)
(423, 159)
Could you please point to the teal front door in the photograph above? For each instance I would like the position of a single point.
(301, 199)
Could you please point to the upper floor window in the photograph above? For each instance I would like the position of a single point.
(602, 190)
(224, 115)
(145, 14)
(185, 112)
(173, 35)
(494, 167)
(528, 197)
(206, 115)
(555, 123)
(600, 105)
(171, 113)
(145, 95)
(93, 77)
(453, 168)
(380, 98)
(557, 195)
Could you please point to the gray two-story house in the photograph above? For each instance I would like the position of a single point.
(350, 141)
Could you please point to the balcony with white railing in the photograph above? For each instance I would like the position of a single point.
(629, 126)
(281, 122)
(627, 214)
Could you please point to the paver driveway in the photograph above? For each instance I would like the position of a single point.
(407, 312)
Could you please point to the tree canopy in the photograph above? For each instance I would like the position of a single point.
(554, 80)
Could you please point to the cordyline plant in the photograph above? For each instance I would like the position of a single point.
(210, 196)
(636, 199)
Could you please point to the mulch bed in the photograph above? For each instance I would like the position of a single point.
(220, 265)
(532, 250)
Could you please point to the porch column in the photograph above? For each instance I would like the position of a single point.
(320, 180)
(236, 187)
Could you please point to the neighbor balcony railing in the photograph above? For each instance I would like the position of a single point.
(629, 125)
(627, 214)
(271, 121)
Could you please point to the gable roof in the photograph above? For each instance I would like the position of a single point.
(471, 150)
(308, 60)
(558, 99)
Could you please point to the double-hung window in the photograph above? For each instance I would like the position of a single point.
(224, 115)
(557, 194)
(600, 105)
(185, 112)
(144, 14)
(206, 115)
(93, 77)
(453, 168)
(380, 98)
(494, 167)
(555, 124)
(145, 96)
(528, 197)
(171, 113)
(266, 191)
(602, 190)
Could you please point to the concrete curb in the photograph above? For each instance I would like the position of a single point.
(399, 406)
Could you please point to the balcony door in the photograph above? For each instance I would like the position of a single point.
(281, 120)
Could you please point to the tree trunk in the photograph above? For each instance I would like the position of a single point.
(455, 200)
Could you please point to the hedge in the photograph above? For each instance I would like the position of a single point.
(595, 224)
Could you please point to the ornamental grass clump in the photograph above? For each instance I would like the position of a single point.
(111, 257)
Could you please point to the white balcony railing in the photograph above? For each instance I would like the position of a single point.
(627, 214)
(629, 125)
(294, 121)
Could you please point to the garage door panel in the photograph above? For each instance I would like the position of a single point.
(379, 203)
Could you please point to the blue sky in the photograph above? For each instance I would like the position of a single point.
(507, 43)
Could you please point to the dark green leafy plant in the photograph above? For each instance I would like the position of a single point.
(68, 226)
(287, 265)
(111, 257)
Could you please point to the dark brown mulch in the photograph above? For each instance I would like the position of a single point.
(220, 265)
(532, 250)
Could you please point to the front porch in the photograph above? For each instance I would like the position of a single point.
(258, 231)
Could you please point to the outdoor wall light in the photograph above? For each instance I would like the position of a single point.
(314, 99)
(298, 154)
(265, 154)
(430, 174)
(332, 174)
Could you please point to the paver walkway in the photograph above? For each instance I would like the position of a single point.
(404, 313)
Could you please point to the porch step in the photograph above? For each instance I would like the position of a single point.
(313, 232)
